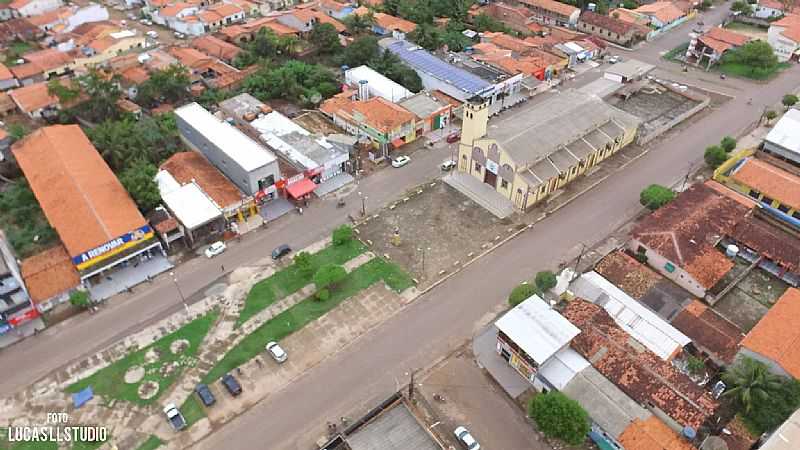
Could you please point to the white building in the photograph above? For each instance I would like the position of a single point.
(632, 316)
(766, 9)
(377, 84)
(197, 214)
(783, 140)
(784, 37)
(26, 8)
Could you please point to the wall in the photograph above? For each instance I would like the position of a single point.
(36, 7)
(679, 276)
(772, 365)
(782, 46)
(645, 138)
(87, 14)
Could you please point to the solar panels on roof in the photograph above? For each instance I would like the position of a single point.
(419, 59)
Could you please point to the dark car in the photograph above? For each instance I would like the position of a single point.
(453, 137)
(231, 384)
(205, 394)
(281, 251)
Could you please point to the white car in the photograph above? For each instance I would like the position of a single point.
(614, 59)
(401, 161)
(466, 439)
(448, 165)
(152, 34)
(276, 352)
(215, 249)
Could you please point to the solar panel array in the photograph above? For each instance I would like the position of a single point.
(420, 59)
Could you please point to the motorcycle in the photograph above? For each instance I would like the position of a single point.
(340, 203)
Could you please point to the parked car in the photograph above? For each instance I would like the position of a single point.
(281, 251)
(215, 249)
(175, 417)
(152, 34)
(453, 137)
(205, 394)
(401, 161)
(465, 438)
(231, 384)
(276, 352)
(614, 59)
(448, 165)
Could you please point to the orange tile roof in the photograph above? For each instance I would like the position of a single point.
(721, 40)
(652, 434)
(27, 70)
(216, 47)
(135, 75)
(378, 113)
(627, 15)
(666, 12)
(49, 273)
(5, 74)
(174, 10)
(553, 6)
(226, 9)
(79, 194)
(792, 24)
(190, 57)
(128, 106)
(389, 22)
(210, 16)
(777, 335)
(188, 166)
(48, 58)
(33, 97)
(742, 199)
(709, 330)
(628, 274)
(771, 181)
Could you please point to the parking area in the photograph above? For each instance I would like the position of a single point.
(434, 228)
(471, 399)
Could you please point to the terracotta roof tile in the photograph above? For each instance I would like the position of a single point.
(80, 196)
(628, 274)
(771, 181)
(637, 371)
(709, 330)
(49, 273)
(216, 47)
(781, 247)
(553, 6)
(390, 22)
(135, 75)
(5, 74)
(666, 12)
(777, 335)
(378, 113)
(174, 10)
(627, 15)
(652, 434)
(33, 97)
(27, 70)
(188, 166)
(685, 231)
(609, 23)
(190, 57)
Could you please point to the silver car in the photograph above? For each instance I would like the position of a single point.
(276, 352)
(465, 438)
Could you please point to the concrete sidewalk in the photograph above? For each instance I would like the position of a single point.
(484, 347)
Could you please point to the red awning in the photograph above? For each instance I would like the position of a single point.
(398, 142)
(299, 189)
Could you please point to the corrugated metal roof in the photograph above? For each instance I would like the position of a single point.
(378, 84)
(786, 133)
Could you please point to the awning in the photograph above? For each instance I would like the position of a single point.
(398, 142)
(299, 189)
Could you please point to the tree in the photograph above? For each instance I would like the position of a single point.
(728, 144)
(758, 55)
(630, 4)
(560, 417)
(170, 85)
(389, 64)
(360, 51)
(750, 381)
(342, 235)
(294, 81)
(695, 365)
(80, 299)
(359, 23)
(789, 100)
(769, 413)
(715, 156)
(705, 5)
(102, 92)
(328, 276)
(545, 280)
(770, 115)
(17, 131)
(521, 293)
(23, 220)
(426, 36)
(325, 38)
(139, 181)
(655, 196)
(484, 22)
(66, 92)
(742, 7)
(304, 264)
(121, 142)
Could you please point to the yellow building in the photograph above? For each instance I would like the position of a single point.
(531, 154)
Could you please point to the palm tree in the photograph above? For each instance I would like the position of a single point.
(750, 380)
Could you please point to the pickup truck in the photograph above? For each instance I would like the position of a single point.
(175, 417)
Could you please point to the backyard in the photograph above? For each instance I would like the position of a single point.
(141, 376)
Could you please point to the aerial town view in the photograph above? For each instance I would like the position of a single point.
(400, 224)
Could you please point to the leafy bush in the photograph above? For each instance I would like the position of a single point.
(545, 280)
(304, 263)
(79, 299)
(522, 293)
(789, 100)
(728, 144)
(329, 275)
(323, 295)
(715, 156)
(560, 417)
(655, 196)
(342, 235)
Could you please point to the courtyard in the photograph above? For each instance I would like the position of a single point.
(751, 298)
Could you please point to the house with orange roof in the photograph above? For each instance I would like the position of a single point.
(216, 47)
(50, 277)
(552, 12)
(652, 434)
(784, 37)
(710, 46)
(181, 17)
(246, 32)
(612, 29)
(35, 100)
(775, 340)
(397, 27)
(630, 16)
(27, 8)
(663, 15)
(335, 9)
(517, 18)
(7, 80)
(98, 42)
(219, 15)
(765, 183)
(385, 124)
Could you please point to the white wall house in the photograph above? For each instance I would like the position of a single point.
(26, 8)
(784, 37)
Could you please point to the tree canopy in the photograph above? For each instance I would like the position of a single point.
(122, 142)
(521, 293)
(757, 55)
(655, 196)
(26, 227)
(789, 100)
(366, 51)
(560, 417)
(325, 38)
(545, 280)
(295, 81)
(139, 180)
(170, 85)
(728, 143)
(342, 234)
(715, 156)
(328, 276)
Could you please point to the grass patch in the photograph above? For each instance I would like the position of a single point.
(110, 381)
(745, 71)
(15, 50)
(676, 53)
(152, 443)
(309, 310)
(192, 410)
(290, 280)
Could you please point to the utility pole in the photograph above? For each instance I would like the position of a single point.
(411, 385)
(180, 293)
(578, 261)
(686, 178)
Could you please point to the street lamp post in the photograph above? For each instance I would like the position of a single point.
(363, 204)
(423, 250)
(178, 287)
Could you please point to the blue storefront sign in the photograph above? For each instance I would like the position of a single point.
(112, 247)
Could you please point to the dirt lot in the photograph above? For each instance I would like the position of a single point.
(439, 229)
(316, 122)
(473, 400)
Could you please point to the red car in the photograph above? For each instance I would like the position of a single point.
(453, 137)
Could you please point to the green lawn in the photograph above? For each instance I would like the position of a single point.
(110, 381)
(152, 443)
(192, 410)
(676, 52)
(17, 49)
(309, 310)
(744, 71)
(290, 280)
